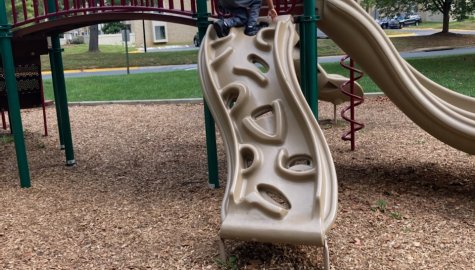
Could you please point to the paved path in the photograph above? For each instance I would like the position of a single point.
(409, 31)
(426, 32)
(153, 69)
(418, 54)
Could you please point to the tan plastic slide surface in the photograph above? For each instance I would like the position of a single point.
(281, 177)
(446, 115)
(329, 84)
(329, 87)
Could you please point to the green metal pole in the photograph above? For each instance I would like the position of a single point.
(13, 100)
(62, 100)
(56, 98)
(58, 72)
(309, 47)
(303, 62)
(213, 178)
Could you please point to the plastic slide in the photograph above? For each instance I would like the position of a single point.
(282, 183)
(447, 115)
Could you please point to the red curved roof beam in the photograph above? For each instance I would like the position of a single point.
(73, 22)
(65, 8)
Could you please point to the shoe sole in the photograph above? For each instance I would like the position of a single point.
(218, 30)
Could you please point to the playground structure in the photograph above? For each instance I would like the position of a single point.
(40, 21)
(448, 116)
(30, 83)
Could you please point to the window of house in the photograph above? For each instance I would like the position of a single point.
(159, 32)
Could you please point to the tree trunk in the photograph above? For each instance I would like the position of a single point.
(446, 13)
(94, 38)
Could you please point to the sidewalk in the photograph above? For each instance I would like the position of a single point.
(421, 53)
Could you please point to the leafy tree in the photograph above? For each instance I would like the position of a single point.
(113, 27)
(390, 7)
(456, 8)
(368, 4)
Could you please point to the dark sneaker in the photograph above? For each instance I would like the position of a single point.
(221, 29)
(263, 24)
(254, 29)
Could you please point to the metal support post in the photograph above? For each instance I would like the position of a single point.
(13, 100)
(144, 37)
(308, 47)
(62, 100)
(213, 178)
(56, 98)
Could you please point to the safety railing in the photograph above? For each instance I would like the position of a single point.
(24, 12)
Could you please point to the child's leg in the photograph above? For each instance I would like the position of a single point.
(254, 9)
(239, 17)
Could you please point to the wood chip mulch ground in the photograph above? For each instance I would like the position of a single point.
(138, 197)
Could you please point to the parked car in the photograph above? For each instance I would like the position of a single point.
(394, 23)
(407, 20)
(383, 22)
(387, 23)
(416, 17)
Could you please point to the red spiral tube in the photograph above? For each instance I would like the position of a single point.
(354, 101)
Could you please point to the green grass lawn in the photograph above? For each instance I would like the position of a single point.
(77, 57)
(163, 85)
(453, 72)
(83, 48)
(468, 24)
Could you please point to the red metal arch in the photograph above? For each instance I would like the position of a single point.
(45, 16)
(70, 23)
(38, 11)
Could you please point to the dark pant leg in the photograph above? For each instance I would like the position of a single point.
(239, 17)
(253, 10)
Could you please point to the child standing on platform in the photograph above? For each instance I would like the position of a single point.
(243, 13)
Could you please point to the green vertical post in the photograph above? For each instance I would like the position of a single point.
(308, 24)
(303, 62)
(213, 178)
(13, 100)
(62, 99)
(56, 98)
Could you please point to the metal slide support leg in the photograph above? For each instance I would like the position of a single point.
(326, 256)
(63, 100)
(43, 106)
(4, 120)
(13, 101)
(10, 122)
(222, 250)
(56, 99)
(213, 180)
(334, 113)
